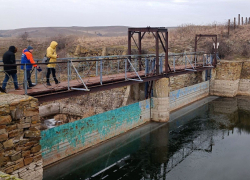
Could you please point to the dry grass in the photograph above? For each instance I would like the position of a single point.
(181, 39)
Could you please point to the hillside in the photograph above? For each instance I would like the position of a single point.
(41, 32)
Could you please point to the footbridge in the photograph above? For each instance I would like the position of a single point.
(83, 75)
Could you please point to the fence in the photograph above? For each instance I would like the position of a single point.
(102, 69)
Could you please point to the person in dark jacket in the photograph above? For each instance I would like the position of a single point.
(27, 58)
(9, 58)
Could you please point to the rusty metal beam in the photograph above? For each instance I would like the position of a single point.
(166, 53)
(148, 29)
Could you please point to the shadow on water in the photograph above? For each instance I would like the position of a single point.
(175, 150)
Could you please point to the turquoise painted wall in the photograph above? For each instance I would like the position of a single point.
(67, 139)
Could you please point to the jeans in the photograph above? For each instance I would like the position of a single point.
(53, 70)
(6, 79)
(29, 78)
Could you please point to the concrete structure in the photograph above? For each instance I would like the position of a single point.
(65, 140)
(184, 96)
(231, 78)
(160, 111)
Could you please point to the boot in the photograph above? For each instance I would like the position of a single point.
(48, 84)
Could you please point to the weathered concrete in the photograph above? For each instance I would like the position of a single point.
(160, 110)
(19, 136)
(65, 140)
(184, 96)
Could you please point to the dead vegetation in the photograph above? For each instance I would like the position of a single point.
(181, 39)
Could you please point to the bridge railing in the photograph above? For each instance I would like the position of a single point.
(78, 73)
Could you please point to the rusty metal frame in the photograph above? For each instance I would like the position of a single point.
(106, 86)
(157, 32)
(199, 36)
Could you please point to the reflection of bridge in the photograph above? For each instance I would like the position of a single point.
(89, 74)
(164, 156)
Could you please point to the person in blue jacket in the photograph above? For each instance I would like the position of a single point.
(27, 58)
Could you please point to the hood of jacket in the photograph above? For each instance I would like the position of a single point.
(12, 49)
(25, 50)
(53, 44)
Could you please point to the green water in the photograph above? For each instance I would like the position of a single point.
(211, 142)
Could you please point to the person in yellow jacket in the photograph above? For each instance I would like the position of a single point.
(51, 53)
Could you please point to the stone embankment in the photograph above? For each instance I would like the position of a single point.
(20, 150)
(231, 78)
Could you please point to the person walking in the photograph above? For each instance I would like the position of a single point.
(9, 58)
(51, 53)
(27, 58)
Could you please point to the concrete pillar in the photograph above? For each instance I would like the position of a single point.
(160, 110)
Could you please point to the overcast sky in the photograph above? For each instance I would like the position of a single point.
(163, 13)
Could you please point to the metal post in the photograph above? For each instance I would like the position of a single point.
(195, 60)
(36, 74)
(196, 41)
(242, 22)
(96, 68)
(146, 68)
(166, 53)
(238, 19)
(185, 61)
(215, 53)
(129, 47)
(246, 21)
(161, 65)
(249, 20)
(25, 80)
(101, 72)
(228, 26)
(126, 64)
(234, 23)
(139, 39)
(68, 66)
(157, 52)
(174, 63)
(118, 66)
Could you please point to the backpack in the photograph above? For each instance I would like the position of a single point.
(45, 59)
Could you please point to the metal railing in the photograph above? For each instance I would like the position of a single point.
(102, 69)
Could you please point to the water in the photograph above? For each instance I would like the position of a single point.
(210, 142)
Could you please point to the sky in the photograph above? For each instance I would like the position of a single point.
(136, 13)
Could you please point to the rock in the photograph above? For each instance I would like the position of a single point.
(22, 126)
(61, 117)
(19, 165)
(30, 112)
(25, 153)
(4, 120)
(2, 126)
(32, 134)
(9, 170)
(15, 133)
(11, 127)
(8, 144)
(36, 149)
(2, 131)
(27, 161)
(34, 104)
(16, 156)
(37, 158)
(4, 160)
(35, 119)
(4, 109)
(3, 137)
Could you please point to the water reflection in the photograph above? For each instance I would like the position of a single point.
(167, 151)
